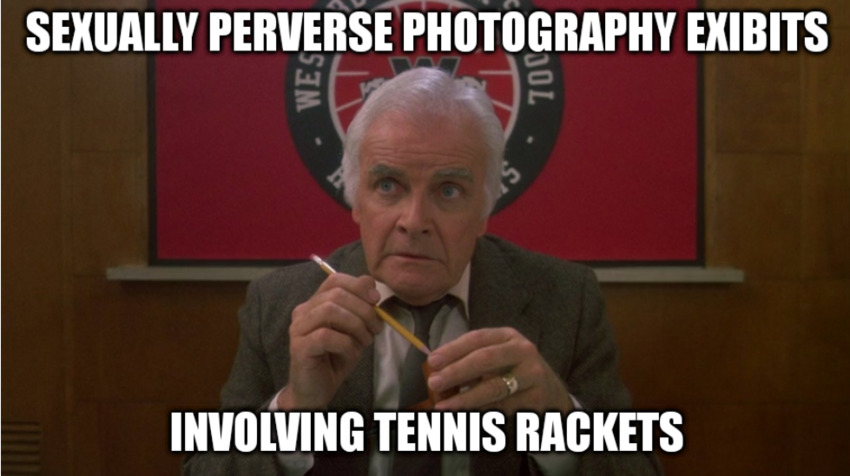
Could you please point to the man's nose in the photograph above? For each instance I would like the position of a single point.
(415, 217)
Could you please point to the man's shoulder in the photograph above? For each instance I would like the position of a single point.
(305, 275)
(528, 263)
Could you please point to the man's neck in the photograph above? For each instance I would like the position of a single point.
(460, 290)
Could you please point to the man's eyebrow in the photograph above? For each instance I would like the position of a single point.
(457, 173)
(382, 170)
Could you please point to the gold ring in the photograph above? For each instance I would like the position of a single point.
(511, 383)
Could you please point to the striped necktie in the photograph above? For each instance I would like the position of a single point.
(413, 390)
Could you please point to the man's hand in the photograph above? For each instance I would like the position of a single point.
(327, 335)
(479, 359)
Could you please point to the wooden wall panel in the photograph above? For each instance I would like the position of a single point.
(756, 208)
(735, 439)
(820, 444)
(825, 216)
(827, 96)
(154, 341)
(758, 369)
(34, 134)
(749, 119)
(821, 360)
(709, 343)
(109, 206)
(87, 455)
(121, 423)
(108, 105)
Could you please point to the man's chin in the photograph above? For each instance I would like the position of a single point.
(414, 286)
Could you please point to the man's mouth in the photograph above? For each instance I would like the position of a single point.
(412, 256)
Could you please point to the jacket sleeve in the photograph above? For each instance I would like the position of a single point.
(595, 381)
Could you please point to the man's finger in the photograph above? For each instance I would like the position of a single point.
(467, 343)
(328, 341)
(335, 303)
(361, 286)
(499, 351)
(484, 393)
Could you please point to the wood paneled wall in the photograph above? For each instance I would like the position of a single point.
(759, 369)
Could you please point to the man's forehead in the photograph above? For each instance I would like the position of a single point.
(394, 126)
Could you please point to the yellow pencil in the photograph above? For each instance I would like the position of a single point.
(381, 313)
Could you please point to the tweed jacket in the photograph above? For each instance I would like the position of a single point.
(554, 303)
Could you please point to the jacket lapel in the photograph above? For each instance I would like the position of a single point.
(497, 298)
(356, 392)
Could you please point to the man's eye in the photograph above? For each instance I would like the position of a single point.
(450, 191)
(386, 186)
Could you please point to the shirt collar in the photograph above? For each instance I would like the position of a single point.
(460, 290)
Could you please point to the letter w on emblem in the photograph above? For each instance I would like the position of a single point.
(401, 64)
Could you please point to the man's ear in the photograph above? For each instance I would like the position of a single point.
(483, 228)
(355, 213)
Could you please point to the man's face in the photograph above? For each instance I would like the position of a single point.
(420, 202)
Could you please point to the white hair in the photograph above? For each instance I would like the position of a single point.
(428, 92)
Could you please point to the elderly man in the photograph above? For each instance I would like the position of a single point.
(513, 329)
